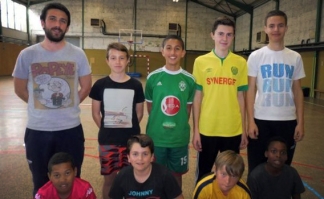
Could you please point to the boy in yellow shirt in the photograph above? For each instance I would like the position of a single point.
(226, 182)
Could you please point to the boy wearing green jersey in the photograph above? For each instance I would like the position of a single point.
(169, 95)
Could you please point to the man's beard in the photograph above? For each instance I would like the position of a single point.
(52, 37)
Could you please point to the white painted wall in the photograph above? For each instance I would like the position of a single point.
(153, 17)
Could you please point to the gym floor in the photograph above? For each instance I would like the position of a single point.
(15, 177)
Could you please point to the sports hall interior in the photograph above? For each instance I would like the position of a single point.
(96, 23)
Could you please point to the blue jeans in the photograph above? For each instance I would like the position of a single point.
(42, 145)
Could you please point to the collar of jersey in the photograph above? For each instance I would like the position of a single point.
(172, 72)
(222, 59)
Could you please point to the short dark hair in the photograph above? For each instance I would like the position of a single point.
(57, 6)
(59, 158)
(119, 47)
(275, 13)
(143, 139)
(173, 37)
(224, 20)
(276, 139)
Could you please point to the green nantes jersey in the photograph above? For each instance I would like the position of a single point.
(169, 92)
(220, 80)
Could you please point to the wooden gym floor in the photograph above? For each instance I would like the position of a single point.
(15, 177)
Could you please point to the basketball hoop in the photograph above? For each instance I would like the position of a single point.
(130, 37)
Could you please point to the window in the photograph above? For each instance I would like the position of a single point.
(13, 15)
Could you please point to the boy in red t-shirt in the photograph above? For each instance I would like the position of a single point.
(63, 183)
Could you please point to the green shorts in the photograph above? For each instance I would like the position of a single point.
(175, 159)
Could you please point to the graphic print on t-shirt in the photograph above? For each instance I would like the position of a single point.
(170, 106)
(147, 194)
(118, 106)
(276, 85)
(53, 83)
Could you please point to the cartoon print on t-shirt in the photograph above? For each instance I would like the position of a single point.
(53, 83)
(54, 93)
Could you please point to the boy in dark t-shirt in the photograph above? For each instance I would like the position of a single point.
(144, 179)
(117, 109)
(275, 179)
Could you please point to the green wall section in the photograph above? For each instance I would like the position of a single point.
(320, 72)
(97, 61)
(308, 59)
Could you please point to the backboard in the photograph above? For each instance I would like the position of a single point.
(130, 37)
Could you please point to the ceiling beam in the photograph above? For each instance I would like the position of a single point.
(28, 3)
(260, 3)
(213, 8)
(255, 4)
(245, 7)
